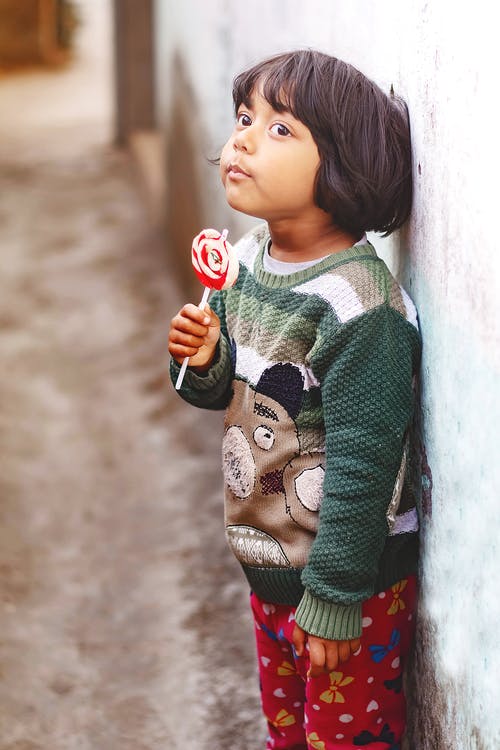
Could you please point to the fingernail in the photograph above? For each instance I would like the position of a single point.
(206, 320)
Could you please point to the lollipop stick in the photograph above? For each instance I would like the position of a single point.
(183, 369)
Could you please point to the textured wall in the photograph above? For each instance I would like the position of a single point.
(441, 57)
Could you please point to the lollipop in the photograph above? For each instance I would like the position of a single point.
(214, 260)
(216, 266)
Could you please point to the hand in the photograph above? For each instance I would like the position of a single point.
(324, 655)
(194, 333)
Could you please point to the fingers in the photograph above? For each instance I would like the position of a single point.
(332, 655)
(326, 655)
(317, 656)
(355, 644)
(183, 345)
(214, 319)
(344, 651)
(299, 640)
(191, 317)
(188, 330)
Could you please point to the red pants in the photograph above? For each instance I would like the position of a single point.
(361, 703)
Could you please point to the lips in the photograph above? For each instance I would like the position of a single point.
(234, 170)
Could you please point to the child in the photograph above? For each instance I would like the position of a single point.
(314, 354)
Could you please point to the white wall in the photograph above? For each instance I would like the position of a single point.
(441, 56)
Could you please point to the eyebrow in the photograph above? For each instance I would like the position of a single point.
(264, 411)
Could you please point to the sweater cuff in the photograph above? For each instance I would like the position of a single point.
(333, 622)
(207, 380)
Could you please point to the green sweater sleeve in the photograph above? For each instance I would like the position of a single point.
(212, 389)
(366, 375)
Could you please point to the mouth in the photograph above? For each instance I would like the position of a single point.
(235, 172)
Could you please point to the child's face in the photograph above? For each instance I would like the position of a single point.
(269, 164)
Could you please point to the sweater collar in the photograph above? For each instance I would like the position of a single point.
(275, 281)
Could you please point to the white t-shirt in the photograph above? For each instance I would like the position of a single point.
(284, 267)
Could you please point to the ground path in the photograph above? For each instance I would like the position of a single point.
(123, 618)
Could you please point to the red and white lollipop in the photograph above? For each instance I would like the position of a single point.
(216, 265)
(214, 260)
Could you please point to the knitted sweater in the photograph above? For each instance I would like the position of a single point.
(316, 370)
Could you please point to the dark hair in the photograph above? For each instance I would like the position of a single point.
(363, 135)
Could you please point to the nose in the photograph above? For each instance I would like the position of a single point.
(244, 140)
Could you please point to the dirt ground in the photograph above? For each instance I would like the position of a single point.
(123, 617)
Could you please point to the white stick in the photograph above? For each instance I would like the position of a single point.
(202, 304)
(183, 369)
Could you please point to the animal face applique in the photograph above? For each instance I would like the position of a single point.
(273, 491)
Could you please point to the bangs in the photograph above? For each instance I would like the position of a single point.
(277, 80)
(295, 82)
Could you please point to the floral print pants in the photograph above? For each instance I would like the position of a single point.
(361, 703)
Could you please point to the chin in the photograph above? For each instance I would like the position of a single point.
(242, 208)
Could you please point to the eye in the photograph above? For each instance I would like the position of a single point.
(279, 129)
(264, 437)
(243, 119)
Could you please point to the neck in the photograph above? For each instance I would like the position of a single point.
(294, 244)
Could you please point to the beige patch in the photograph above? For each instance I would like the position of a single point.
(303, 482)
(363, 279)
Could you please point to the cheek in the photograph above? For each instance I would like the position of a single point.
(310, 166)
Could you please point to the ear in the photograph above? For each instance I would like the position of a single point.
(283, 383)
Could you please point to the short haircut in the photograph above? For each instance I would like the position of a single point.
(363, 135)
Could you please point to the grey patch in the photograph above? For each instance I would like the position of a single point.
(255, 547)
(397, 491)
(309, 488)
(238, 463)
(405, 523)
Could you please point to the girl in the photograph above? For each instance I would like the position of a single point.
(314, 354)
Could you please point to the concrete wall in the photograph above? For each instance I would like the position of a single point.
(441, 57)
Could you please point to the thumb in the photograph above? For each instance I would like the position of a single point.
(298, 640)
(214, 318)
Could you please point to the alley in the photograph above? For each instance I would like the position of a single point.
(123, 617)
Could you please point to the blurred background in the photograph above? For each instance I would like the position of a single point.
(123, 618)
